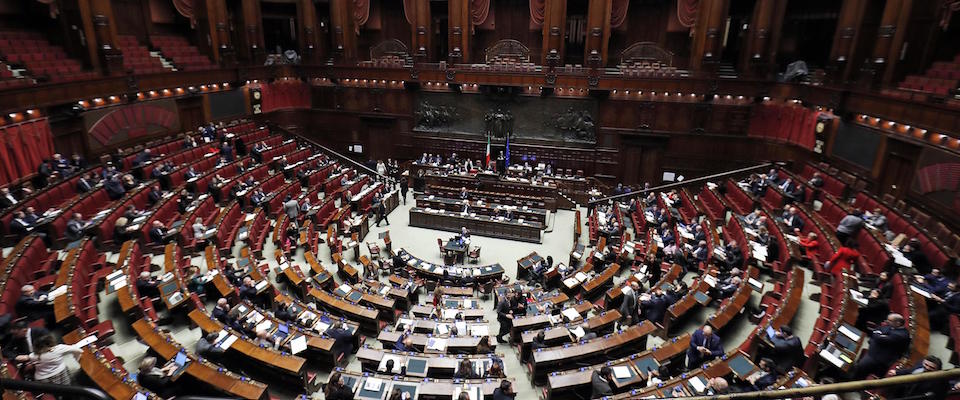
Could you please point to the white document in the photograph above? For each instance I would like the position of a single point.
(57, 292)
(697, 384)
(848, 333)
(442, 329)
(479, 330)
(621, 372)
(831, 358)
(298, 344)
(577, 332)
(228, 342)
(373, 384)
(87, 340)
(570, 314)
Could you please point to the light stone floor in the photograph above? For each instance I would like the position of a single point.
(557, 241)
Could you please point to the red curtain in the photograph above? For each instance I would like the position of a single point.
(687, 12)
(618, 13)
(784, 123)
(537, 12)
(284, 94)
(22, 147)
(479, 11)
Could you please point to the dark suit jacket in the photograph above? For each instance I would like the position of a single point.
(154, 196)
(83, 185)
(19, 346)
(342, 341)
(887, 344)
(655, 308)
(158, 384)
(221, 315)
(32, 308)
(787, 352)
(18, 227)
(600, 386)
(156, 235)
(74, 230)
(695, 359)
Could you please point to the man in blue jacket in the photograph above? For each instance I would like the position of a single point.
(704, 346)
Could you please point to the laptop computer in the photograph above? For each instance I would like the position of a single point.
(181, 360)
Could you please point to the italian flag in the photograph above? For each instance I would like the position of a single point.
(487, 163)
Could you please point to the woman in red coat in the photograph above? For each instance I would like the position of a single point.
(845, 257)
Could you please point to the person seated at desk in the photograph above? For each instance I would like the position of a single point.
(207, 347)
(263, 339)
(248, 290)
(76, 228)
(258, 198)
(147, 285)
(336, 389)
(114, 188)
(123, 230)
(600, 382)
(190, 173)
(465, 370)
(704, 346)
(155, 379)
(7, 199)
(405, 343)
(157, 233)
(725, 288)
(131, 213)
(221, 312)
(283, 313)
(791, 218)
(195, 281)
(766, 377)
(887, 344)
(504, 391)
(189, 142)
(155, 195)
(734, 257)
(912, 252)
(934, 282)
(142, 158)
(342, 340)
(257, 152)
(34, 304)
(128, 182)
(19, 225)
(86, 183)
(23, 339)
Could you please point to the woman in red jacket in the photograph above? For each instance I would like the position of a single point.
(845, 257)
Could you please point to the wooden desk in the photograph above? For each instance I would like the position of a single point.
(434, 365)
(546, 359)
(366, 316)
(288, 365)
(478, 225)
(528, 322)
(203, 371)
(560, 334)
(526, 264)
(422, 388)
(462, 344)
(479, 207)
(116, 382)
(434, 272)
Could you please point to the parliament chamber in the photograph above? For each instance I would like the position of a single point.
(479, 199)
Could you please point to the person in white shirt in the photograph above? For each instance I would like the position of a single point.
(48, 358)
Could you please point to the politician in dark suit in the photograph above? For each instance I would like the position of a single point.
(704, 346)
(888, 343)
(600, 383)
(342, 340)
(23, 340)
(787, 350)
(655, 306)
(75, 228)
(921, 390)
